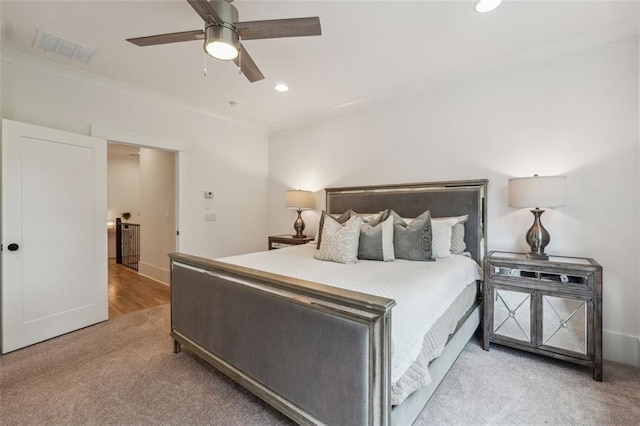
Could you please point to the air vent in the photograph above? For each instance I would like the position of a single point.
(69, 49)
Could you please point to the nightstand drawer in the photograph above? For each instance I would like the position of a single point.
(533, 274)
(275, 245)
(543, 275)
(284, 241)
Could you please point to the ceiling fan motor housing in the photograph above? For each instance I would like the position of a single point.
(225, 30)
(227, 12)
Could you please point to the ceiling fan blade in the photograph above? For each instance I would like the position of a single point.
(206, 11)
(167, 38)
(277, 28)
(247, 66)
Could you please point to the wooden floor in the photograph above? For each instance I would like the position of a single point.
(129, 292)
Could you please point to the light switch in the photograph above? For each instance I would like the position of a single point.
(166, 215)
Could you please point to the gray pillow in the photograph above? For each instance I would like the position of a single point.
(340, 219)
(376, 242)
(412, 241)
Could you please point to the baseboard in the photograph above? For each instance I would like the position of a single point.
(621, 348)
(155, 273)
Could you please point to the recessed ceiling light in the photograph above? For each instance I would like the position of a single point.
(281, 87)
(487, 5)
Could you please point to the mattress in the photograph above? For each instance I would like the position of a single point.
(423, 291)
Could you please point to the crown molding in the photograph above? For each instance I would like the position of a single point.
(24, 60)
(579, 42)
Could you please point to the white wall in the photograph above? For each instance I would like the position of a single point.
(123, 189)
(157, 221)
(575, 115)
(227, 157)
(123, 173)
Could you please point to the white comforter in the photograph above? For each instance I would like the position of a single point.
(422, 290)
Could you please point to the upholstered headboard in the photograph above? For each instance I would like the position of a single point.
(452, 198)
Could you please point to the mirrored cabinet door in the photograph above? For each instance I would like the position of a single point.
(512, 314)
(564, 323)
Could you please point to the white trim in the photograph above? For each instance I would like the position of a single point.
(139, 139)
(638, 177)
(15, 57)
(154, 142)
(621, 348)
(155, 273)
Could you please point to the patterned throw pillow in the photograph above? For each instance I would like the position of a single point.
(340, 219)
(340, 242)
(412, 241)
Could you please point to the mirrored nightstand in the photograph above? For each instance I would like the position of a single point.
(550, 307)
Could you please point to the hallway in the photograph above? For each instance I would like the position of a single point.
(130, 292)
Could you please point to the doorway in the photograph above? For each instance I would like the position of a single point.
(141, 222)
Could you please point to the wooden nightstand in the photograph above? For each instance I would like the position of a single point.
(549, 307)
(281, 241)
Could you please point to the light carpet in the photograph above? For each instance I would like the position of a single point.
(124, 372)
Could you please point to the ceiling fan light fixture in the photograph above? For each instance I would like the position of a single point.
(221, 42)
(483, 6)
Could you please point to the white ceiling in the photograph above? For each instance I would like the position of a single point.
(369, 50)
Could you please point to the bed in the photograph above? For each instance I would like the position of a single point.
(326, 354)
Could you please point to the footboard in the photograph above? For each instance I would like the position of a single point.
(319, 354)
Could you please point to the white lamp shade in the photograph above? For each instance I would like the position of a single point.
(300, 200)
(538, 191)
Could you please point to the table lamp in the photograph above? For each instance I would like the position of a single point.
(538, 191)
(299, 200)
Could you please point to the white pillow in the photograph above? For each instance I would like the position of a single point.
(441, 237)
(340, 242)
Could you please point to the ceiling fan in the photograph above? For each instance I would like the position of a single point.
(222, 33)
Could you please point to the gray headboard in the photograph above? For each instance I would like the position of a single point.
(452, 198)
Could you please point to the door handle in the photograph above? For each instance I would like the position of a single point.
(13, 247)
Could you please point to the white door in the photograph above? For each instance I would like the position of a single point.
(54, 237)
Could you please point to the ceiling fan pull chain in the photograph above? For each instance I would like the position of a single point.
(205, 64)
